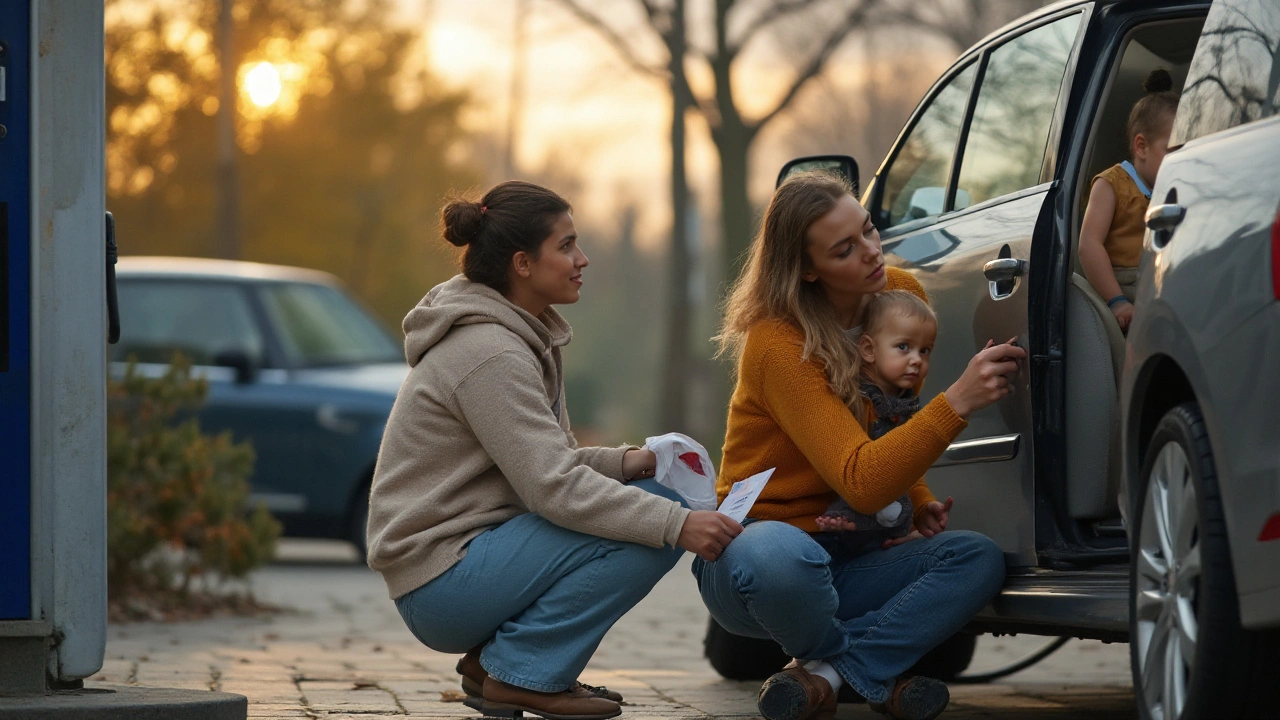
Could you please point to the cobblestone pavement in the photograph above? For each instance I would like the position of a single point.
(343, 652)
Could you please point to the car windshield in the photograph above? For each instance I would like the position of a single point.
(318, 325)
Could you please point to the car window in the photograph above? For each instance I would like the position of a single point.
(198, 319)
(1005, 148)
(916, 180)
(318, 325)
(1235, 74)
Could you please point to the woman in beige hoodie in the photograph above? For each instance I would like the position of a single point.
(496, 534)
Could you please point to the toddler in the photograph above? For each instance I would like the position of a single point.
(898, 335)
(1111, 234)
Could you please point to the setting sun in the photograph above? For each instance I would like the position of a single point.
(262, 82)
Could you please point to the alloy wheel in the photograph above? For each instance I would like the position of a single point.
(1167, 578)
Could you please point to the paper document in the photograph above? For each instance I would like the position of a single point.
(743, 495)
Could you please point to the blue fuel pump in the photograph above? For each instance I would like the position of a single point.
(15, 312)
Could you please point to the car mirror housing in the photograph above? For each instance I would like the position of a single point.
(841, 164)
(245, 366)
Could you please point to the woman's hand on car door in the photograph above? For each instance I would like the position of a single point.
(986, 379)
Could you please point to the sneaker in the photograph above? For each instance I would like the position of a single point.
(796, 694)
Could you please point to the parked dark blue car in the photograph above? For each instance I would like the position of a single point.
(294, 364)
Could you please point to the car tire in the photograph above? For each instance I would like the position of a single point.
(1226, 671)
(947, 661)
(742, 658)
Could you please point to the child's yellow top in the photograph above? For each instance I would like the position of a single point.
(1124, 238)
(784, 414)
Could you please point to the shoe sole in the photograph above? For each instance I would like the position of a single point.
(515, 712)
(784, 699)
(923, 700)
(472, 689)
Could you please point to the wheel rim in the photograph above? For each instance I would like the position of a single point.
(1168, 575)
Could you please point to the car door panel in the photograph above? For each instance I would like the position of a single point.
(989, 468)
(995, 193)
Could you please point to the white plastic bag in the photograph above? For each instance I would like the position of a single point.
(684, 466)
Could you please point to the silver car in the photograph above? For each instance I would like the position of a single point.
(1200, 397)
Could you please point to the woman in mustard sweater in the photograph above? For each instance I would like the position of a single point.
(791, 321)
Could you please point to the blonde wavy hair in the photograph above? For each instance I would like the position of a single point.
(771, 287)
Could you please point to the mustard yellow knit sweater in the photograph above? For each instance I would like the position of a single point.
(783, 414)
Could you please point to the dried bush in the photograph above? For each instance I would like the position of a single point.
(178, 517)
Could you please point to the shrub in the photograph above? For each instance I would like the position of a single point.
(177, 499)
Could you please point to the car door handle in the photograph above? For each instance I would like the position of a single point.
(1004, 269)
(1163, 218)
(113, 302)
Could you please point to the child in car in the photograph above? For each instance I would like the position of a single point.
(894, 344)
(1111, 234)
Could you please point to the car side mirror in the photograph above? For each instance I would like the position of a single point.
(246, 367)
(841, 164)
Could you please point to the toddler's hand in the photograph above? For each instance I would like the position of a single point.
(1124, 315)
(934, 519)
(835, 523)
(890, 542)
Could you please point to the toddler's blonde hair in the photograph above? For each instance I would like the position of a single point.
(899, 302)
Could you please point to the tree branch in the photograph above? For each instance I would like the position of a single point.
(816, 63)
(615, 39)
(778, 10)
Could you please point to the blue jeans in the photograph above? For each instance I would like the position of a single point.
(541, 596)
(871, 615)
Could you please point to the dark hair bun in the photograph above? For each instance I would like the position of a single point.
(1158, 80)
(461, 220)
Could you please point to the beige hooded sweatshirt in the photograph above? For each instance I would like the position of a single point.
(479, 434)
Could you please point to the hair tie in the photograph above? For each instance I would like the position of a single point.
(483, 208)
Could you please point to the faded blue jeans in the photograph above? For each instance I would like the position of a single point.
(872, 615)
(542, 597)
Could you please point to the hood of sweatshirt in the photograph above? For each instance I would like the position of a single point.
(459, 301)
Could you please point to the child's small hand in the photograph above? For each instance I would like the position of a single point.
(1124, 315)
(835, 523)
(890, 542)
(934, 519)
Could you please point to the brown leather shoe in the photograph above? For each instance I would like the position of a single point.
(472, 672)
(508, 701)
(915, 698)
(796, 694)
(473, 676)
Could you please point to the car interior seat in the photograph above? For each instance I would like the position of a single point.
(1095, 353)
(1095, 344)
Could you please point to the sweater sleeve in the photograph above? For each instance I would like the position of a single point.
(868, 474)
(503, 403)
(920, 496)
(605, 460)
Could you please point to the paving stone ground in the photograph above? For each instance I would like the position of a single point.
(343, 652)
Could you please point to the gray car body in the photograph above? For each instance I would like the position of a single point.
(1207, 328)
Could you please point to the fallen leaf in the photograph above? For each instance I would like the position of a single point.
(452, 696)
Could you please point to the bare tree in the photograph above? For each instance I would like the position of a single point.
(731, 131)
(961, 22)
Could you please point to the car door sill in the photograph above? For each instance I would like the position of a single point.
(988, 449)
(1053, 602)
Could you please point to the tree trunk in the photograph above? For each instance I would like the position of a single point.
(227, 242)
(676, 366)
(733, 144)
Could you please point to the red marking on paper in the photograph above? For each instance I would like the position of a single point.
(692, 460)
